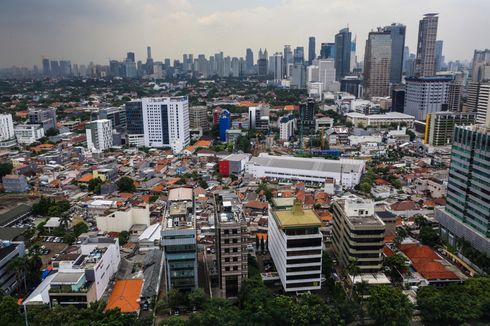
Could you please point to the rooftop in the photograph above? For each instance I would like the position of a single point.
(179, 194)
(311, 164)
(297, 217)
(125, 296)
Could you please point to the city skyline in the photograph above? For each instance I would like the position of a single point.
(58, 29)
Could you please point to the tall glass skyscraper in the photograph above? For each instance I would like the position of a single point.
(425, 64)
(342, 53)
(311, 50)
(397, 32)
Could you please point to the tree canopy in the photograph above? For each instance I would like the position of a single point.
(389, 306)
(126, 184)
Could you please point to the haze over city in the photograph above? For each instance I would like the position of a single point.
(96, 30)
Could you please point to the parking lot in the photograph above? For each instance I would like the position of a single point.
(54, 248)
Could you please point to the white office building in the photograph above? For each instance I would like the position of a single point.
(166, 122)
(426, 95)
(295, 245)
(99, 134)
(326, 75)
(277, 66)
(27, 134)
(483, 106)
(346, 172)
(380, 120)
(7, 133)
(123, 218)
(287, 126)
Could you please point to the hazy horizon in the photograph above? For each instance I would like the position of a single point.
(90, 30)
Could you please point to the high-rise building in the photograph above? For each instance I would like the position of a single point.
(425, 64)
(439, 57)
(117, 115)
(311, 50)
(480, 70)
(327, 51)
(179, 241)
(307, 115)
(7, 132)
(262, 63)
(440, 125)
(298, 76)
(99, 134)
(342, 53)
(198, 117)
(312, 75)
(326, 74)
(44, 117)
(287, 126)
(166, 122)
(426, 95)
(55, 67)
(295, 245)
(397, 32)
(46, 68)
(134, 122)
(231, 243)
(358, 234)
(224, 124)
(299, 55)
(353, 56)
(377, 64)
(287, 59)
(455, 91)
(249, 62)
(467, 213)
(398, 99)
(352, 85)
(483, 104)
(130, 57)
(277, 66)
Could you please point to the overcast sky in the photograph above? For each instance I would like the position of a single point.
(96, 30)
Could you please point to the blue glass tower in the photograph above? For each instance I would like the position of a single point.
(224, 124)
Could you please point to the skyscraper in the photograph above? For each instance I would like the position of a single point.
(426, 95)
(224, 124)
(99, 134)
(277, 66)
(377, 64)
(326, 73)
(298, 76)
(327, 51)
(425, 64)
(46, 69)
(439, 56)
(311, 50)
(342, 53)
(134, 122)
(130, 57)
(287, 59)
(249, 62)
(467, 213)
(397, 32)
(481, 66)
(299, 55)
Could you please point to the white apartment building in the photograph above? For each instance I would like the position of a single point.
(7, 133)
(27, 134)
(287, 126)
(99, 134)
(326, 75)
(483, 108)
(380, 120)
(295, 245)
(122, 219)
(166, 122)
(426, 95)
(346, 172)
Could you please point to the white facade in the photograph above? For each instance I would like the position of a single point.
(28, 134)
(426, 95)
(312, 74)
(483, 109)
(326, 75)
(323, 123)
(99, 134)
(299, 267)
(123, 219)
(6, 127)
(166, 122)
(346, 172)
(287, 126)
(277, 66)
(379, 120)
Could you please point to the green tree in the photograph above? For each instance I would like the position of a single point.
(123, 237)
(176, 298)
(80, 228)
(243, 144)
(262, 245)
(5, 168)
(389, 306)
(173, 321)
(429, 236)
(20, 266)
(94, 185)
(217, 311)
(126, 184)
(196, 298)
(52, 132)
(9, 310)
(396, 262)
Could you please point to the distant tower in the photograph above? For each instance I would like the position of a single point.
(397, 51)
(425, 64)
(377, 63)
(148, 52)
(342, 53)
(311, 50)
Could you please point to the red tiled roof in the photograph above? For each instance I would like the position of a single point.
(426, 262)
(125, 296)
(256, 204)
(406, 205)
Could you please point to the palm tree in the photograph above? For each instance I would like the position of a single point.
(361, 289)
(353, 270)
(20, 265)
(64, 221)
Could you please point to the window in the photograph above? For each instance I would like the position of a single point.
(227, 268)
(227, 259)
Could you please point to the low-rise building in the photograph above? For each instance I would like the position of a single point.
(8, 251)
(15, 183)
(123, 218)
(323, 123)
(380, 120)
(233, 164)
(295, 245)
(28, 134)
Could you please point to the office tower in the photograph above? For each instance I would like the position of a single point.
(130, 68)
(179, 241)
(352, 85)
(483, 104)
(439, 58)
(46, 68)
(227, 67)
(130, 57)
(295, 245)
(353, 57)
(406, 57)
(358, 234)
(253, 116)
(166, 122)
(134, 121)
(231, 243)
(312, 75)
(398, 99)
(299, 55)
(45, 117)
(249, 59)
(455, 91)
(149, 61)
(397, 32)
(55, 67)
(307, 115)
(326, 74)
(377, 64)
(480, 70)
(117, 116)
(198, 117)
(202, 66)
(277, 66)
(311, 50)
(7, 132)
(473, 90)
(224, 124)
(287, 59)
(235, 67)
(327, 51)
(65, 68)
(342, 53)
(440, 125)
(287, 126)
(426, 95)
(298, 76)
(262, 67)
(410, 65)
(99, 134)
(425, 64)
(467, 213)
